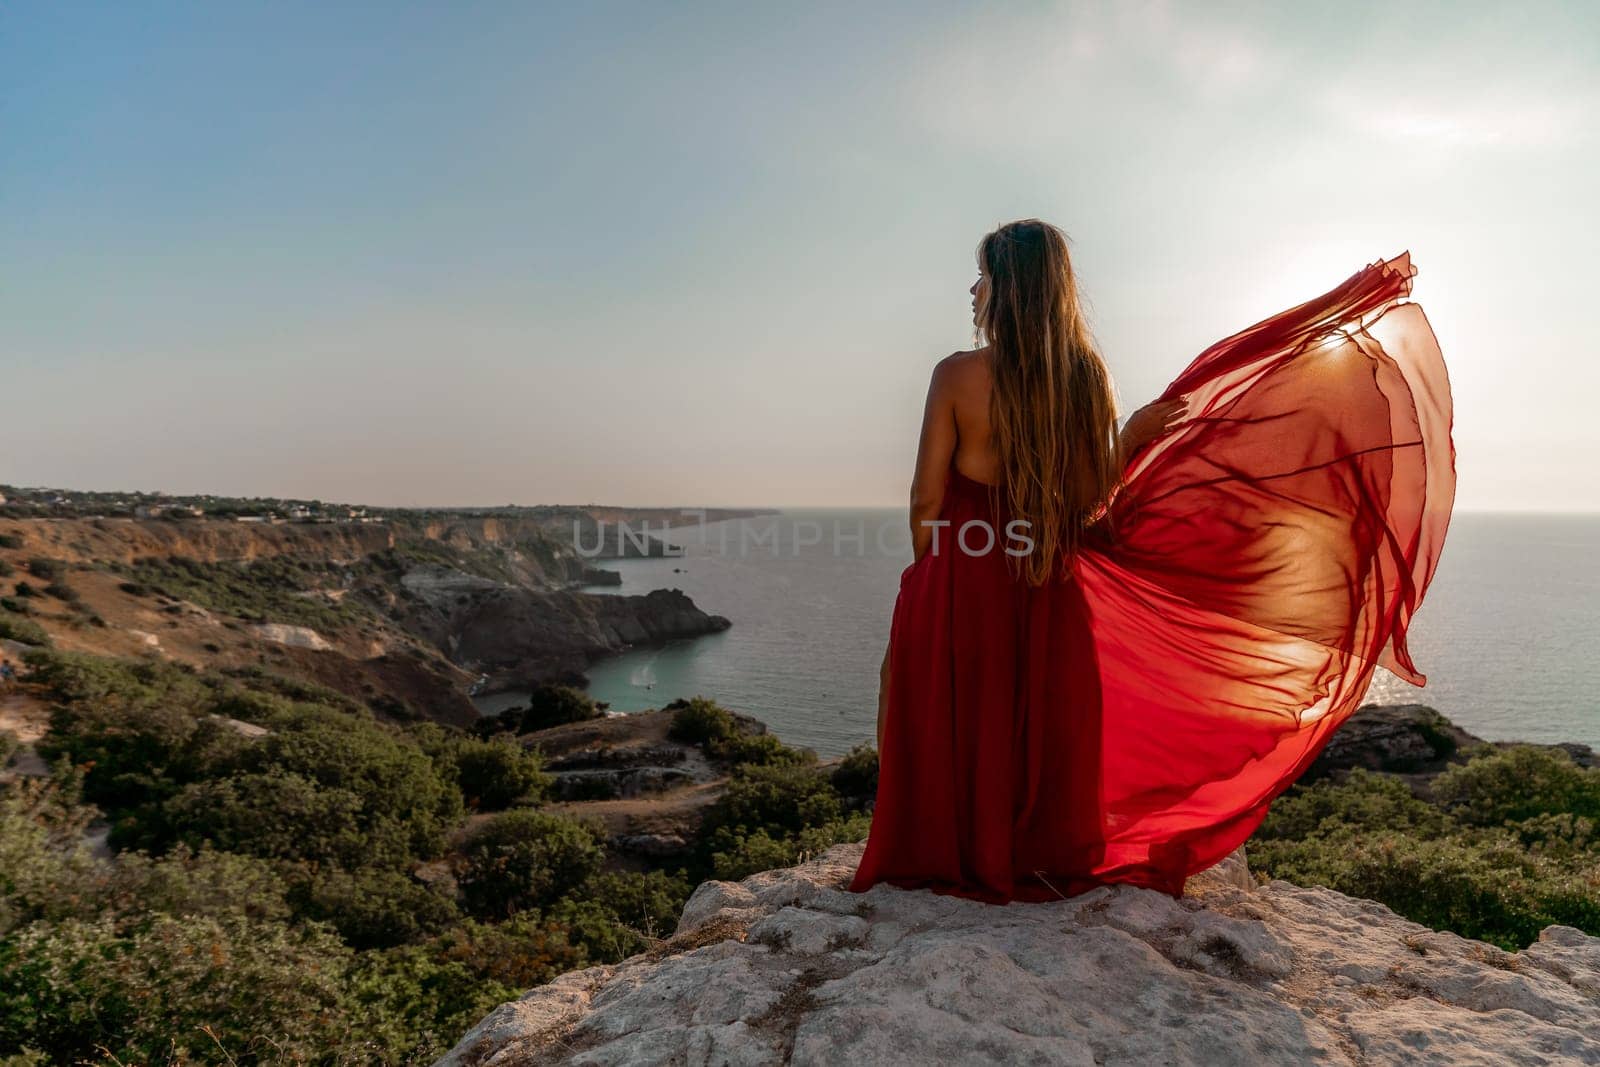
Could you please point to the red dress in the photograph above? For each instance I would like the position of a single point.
(1133, 723)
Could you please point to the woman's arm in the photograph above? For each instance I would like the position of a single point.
(935, 448)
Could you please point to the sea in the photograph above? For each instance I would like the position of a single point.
(1508, 635)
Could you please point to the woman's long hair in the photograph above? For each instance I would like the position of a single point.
(1051, 412)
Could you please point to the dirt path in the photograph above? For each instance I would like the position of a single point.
(23, 716)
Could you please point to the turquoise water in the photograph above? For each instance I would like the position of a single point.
(1507, 636)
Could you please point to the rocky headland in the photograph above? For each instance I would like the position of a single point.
(408, 611)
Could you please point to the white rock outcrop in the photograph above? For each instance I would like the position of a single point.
(789, 967)
(293, 636)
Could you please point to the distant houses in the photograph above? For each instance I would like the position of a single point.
(156, 511)
(123, 506)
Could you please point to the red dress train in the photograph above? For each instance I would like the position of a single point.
(1133, 723)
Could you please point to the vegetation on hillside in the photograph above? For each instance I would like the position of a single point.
(1505, 845)
(293, 880)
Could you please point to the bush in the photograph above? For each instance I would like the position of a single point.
(16, 628)
(745, 855)
(409, 1004)
(374, 908)
(706, 723)
(556, 705)
(1518, 782)
(1473, 867)
(10, 541)
(1488, 888)
(62, 591)
(134, 589)
(856, 775)
(699, 721)
(133, 729)
(524, 951)
(493, 774)
(1365, 800)
(779, 801)
(392, 780)
(6, 569)
(45, 569)
(275, 815)
(23, 589)
(170, 990)
(526, 859)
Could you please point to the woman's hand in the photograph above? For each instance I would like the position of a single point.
(1151, 421)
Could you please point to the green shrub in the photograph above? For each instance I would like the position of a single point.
(524, 951)
(1365, 800)
(273, 589)
(391, 778)
(63, 592)
(747, 854)
(526, 859)
(6, 569)
(781, 799)
(761, 749)
(45, 569)
(171, 989)
(1489, 888)
(9, 540)
(856, 775)
(23, 589)
(704, 722)
(699, 721)
(1497, 862)
(493, 774)
(188, 882)
(277, 815)
(556, 705)
(374, 908)
(410, 1004)
(138, 744)
(14, 627)
(1518, 782)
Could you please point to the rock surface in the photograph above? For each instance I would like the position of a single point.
(293, 636)
(788, 966)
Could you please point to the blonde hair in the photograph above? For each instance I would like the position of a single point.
(1052, 412)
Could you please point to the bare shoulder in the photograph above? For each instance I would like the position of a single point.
(964, 371)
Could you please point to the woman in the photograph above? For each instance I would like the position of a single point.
(1113, 650)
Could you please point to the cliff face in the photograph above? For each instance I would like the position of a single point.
(787, 966)
(405, 614)
(520, 637)
(125, 540)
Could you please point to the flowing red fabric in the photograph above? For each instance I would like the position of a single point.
(1133, 722)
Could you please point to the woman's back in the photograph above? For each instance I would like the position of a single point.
(972, 385)
(977, 456)
(1132, 724)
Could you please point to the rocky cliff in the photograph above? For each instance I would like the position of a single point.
(787, 966)
(405, 614)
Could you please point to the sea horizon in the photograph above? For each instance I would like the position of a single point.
(1501, 634)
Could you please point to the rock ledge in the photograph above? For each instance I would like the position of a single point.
(787, 966)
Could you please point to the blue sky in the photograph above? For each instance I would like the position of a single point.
(707, 254)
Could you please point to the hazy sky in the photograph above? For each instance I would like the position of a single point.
(708, 254)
